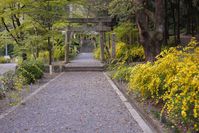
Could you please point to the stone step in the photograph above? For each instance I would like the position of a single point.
(84, 68)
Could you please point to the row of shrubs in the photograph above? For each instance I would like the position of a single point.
(124, 53)
(172, 81)
(27, 72)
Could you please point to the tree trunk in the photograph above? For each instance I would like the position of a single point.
(192, 18)
(37, 52)
(197, 23)
(151, 42)
(109, 40)
(178, 22)
(50, 51)
(159, 24)
(130, 38)
(188, 18)
(142, 23)
(174, 22)
(166, 30)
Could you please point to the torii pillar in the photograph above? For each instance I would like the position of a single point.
(101, 39)
(113, 54)
(101, 47)
(67, 43)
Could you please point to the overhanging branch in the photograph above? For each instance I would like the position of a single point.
(6, 27)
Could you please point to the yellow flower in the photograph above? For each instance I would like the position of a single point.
(195, 114)
(184, 114)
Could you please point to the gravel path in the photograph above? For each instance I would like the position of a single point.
(7, 67)
(84, 59)
(76, 102)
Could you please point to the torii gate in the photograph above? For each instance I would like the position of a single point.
(101, 28)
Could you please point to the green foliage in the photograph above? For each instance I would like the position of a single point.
(31, 70)
(10, 81)
(96, 53)
(2, 93)
(4, 60)
(126, 32)
(59, 52)
(73, 51)
(122, 73)
(44, 56)
(124, 53)
(123, 9)
(41, 20)
(96, 7)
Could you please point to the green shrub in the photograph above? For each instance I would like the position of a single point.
(4, 60)
(122, 73)
(2, 89)
(96, 53)
(126, 32)
(73, 51)
(44, 56)
(2, 93)
(31, 70)
(10, 81)
(59, 52)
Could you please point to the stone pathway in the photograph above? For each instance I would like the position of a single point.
(76, 102)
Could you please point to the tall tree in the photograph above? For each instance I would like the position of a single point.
(151, 41)
(47, 13)
(150, 38)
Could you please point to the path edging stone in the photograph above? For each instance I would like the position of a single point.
(141, 122)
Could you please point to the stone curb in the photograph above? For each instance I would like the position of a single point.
(155, 127)
(145, 126)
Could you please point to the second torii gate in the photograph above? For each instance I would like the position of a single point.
(101, 28)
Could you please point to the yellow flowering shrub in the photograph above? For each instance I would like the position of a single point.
(129, 53)
(174, 81)
(124, 52)
(96, 53)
